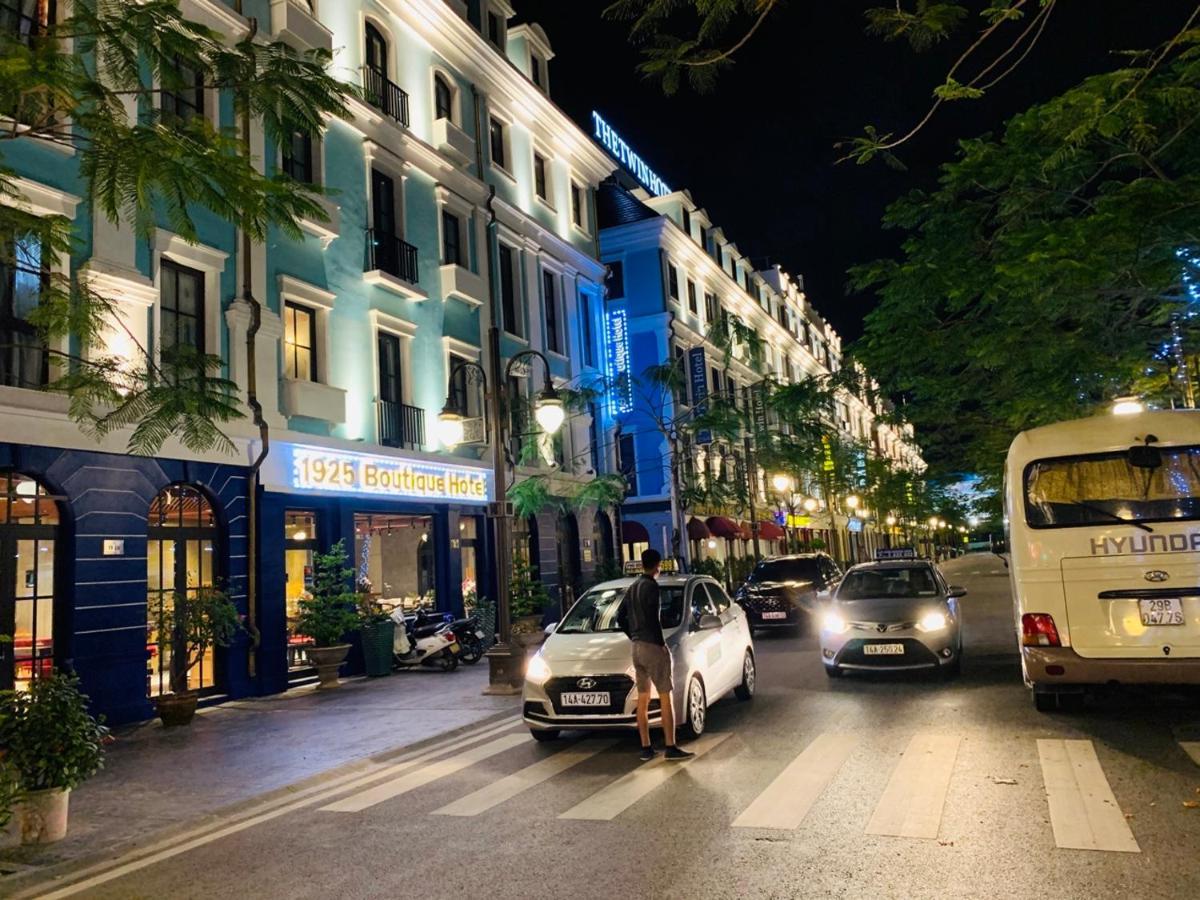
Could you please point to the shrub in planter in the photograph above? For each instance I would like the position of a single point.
(52, 744)
(378, 636)
(526, 599)
(189, 626)
(328, 613)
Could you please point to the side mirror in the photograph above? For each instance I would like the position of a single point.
(707, 622)
(957, 591)
(549, 629)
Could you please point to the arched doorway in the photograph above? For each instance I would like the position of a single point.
(182, 555)
(602, 540)
(568, 560)
(29, 533)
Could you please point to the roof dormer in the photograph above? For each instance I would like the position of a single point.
(493, 22)
(530, 51)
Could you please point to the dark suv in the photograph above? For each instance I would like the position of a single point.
(782, 591)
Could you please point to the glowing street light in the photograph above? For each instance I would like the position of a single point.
(852, 501)
(450, 427)
(891, 521)
(810, 504)
(782, 483)
(548, 410)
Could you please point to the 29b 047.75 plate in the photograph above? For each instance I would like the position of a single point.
(1161, 610)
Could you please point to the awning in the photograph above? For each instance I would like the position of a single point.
(723, 527)
(634, 532)
(697, 530)
(769, 531)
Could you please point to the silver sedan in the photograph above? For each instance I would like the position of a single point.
(893, 616)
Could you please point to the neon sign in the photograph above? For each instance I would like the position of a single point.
(624, 154)
(617, 341)
(319, 469)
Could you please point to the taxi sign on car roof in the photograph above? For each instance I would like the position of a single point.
(886, 553)
(667, 567)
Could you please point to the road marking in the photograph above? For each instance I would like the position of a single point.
(508, 787)
(1083, 811)
(787, 799)
(144, 857)
(423, 776)
(1192, 749)
(613, 799)
(912, 802)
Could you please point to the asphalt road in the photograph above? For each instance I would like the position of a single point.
(908, 787)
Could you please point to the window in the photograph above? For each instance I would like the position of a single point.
(299, 545)
(496, 142)
(554, 342)
(614, 281)
(510, 312)
(182, 307)
(535, 69)
(183, 100)
(299, 342)
(495, 30)
(458, 392)
(687, 222)
(594, 439)
(576, 205)
(400, 425)
(627, 461)
(716, 382)
(29, 532)
(585, 329)
(443, 99)
(704, 237)
(25, 20)
(298, 157)
(691, 292)
(23, 358)
(539, 175)
(710, 306)
(452, 254)
(672, 281)
(376, 51)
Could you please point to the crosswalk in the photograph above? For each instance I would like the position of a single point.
(1080, 805)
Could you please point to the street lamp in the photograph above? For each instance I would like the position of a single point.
(933, 521)
(810, 504)
(891, 521)
(782, 483)
(852, 501)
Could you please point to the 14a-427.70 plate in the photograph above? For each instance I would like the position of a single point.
(585, 698)
(1161, 610)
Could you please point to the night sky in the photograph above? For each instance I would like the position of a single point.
(758, 151)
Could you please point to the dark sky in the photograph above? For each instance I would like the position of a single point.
(758, 151)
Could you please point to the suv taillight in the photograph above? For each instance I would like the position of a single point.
(1038, 630)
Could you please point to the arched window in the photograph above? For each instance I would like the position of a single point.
(29, 532)
(376, 51)
(443, 98)
(181, 558)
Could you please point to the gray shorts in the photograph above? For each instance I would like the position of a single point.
(652, 663)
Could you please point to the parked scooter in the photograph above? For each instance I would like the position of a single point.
(428, 645)
(471, 638)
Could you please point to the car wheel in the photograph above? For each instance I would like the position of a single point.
(697, 707)
(542, 735)
(745, 690)
(834, 672)
(1071, 702)
(1045, 701)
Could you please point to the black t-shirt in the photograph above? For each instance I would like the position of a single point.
(643, 606)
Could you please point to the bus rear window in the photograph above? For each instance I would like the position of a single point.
(1105, 488)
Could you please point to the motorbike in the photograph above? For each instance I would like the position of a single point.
(423, 645)
(471, 638)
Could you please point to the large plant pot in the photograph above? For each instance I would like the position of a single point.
(527, 631)
(177, 709)
(377, 646)
(43, 816)
(327, 661)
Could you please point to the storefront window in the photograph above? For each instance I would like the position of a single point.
(524, 544)
(395, 559)
(28, 537)
(468, 534)
(299, 545)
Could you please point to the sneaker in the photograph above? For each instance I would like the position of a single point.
(678, 754)
(647, 754)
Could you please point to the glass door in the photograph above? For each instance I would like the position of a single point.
(28, 542)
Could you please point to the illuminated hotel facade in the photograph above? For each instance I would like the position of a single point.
(460, 193)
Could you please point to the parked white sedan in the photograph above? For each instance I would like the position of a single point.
(582, 677)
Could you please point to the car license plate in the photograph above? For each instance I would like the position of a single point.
(1161, 611)
(585, 698)
(774, 615)
(883, 649)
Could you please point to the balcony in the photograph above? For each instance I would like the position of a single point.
(462, 284)
(294, 21)
(385, 96)
(313, 400)
(392, 264)
(401, 426)
(454, 143)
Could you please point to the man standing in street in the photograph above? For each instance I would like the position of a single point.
(651, 658)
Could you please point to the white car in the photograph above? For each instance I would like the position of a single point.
(582, 677)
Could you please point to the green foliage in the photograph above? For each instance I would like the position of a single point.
(923, 26)
(50, 739)
(1039, 279)
(329, 612)
(10, 791)
(606, 570)
(710, 567)
(526, 594)
(189, 625)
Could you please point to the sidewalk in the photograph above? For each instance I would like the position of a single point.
(155, 778)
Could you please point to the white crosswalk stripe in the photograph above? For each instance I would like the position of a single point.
(1083, 811)
(912, 802)
(612, 800)
(531, 776)
(431, 772)
(1192, 749)
(787, 799)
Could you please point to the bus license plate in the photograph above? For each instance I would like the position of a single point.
(883, 649)
(1161, 611)
(588, 698)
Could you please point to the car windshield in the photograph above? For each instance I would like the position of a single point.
(596, 611)
(1102, 488)
(785, 571)
(870, 584)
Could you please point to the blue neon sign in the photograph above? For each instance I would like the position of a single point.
(624, 154)
(617, 347)
(698, 374)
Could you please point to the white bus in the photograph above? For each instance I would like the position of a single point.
(1104, 533)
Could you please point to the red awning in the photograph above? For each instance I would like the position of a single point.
(634, 532)
(697, 530)
(769, 531)
(723, 527)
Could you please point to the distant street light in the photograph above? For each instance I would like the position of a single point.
(852, 501)
(782, 483)
(810, 504)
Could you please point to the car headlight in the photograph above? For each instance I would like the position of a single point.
(933, 621)
(538, 670)
(834, 624)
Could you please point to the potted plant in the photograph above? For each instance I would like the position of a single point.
(328, 614)
(378, 636)
(189, 626)
(51, 744)
(527, 598)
